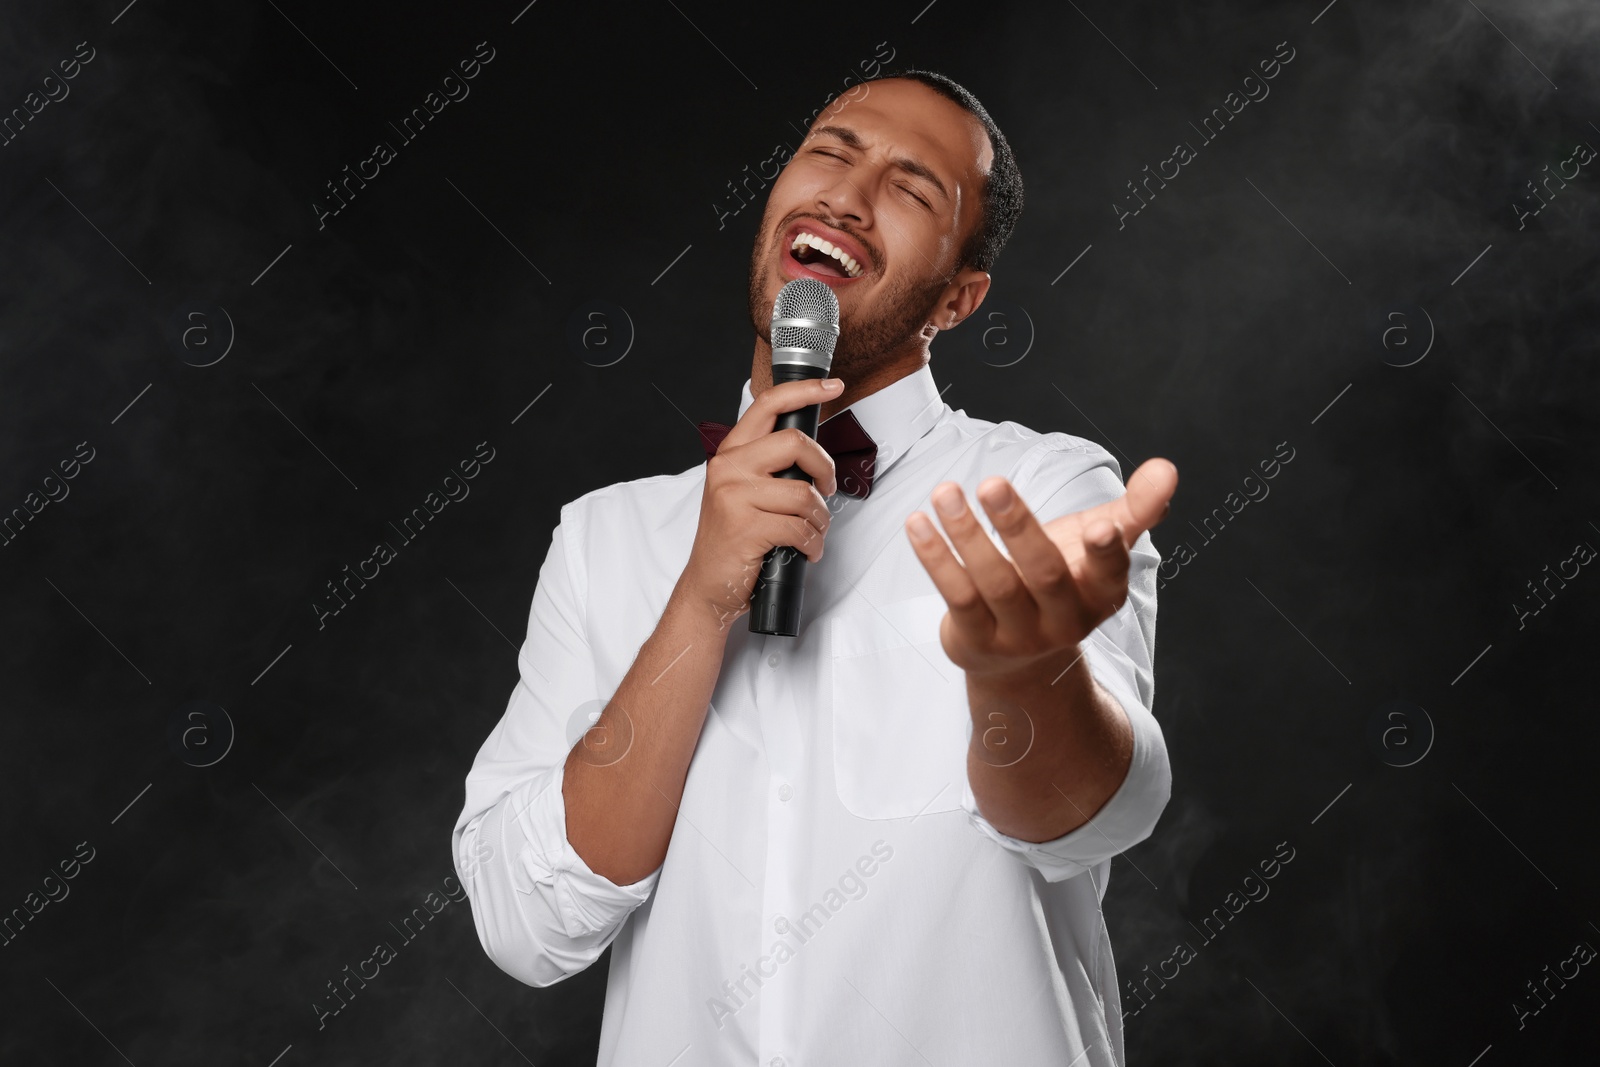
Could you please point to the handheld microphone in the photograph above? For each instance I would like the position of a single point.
(805, 327)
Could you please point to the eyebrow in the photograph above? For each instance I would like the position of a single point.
(906, 163)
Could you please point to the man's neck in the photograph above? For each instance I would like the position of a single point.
(885, 372)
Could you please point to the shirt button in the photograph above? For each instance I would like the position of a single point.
(785, 791)
(772, 660)
(777, 1061)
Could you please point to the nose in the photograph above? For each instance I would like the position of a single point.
(846, 199)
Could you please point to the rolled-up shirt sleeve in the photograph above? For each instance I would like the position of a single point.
(541, 914)
(1057, 480)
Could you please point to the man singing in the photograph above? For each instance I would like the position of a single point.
(860, 845)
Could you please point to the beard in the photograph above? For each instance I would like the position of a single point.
(864, 341)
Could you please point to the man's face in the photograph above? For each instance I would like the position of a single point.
(891, 179)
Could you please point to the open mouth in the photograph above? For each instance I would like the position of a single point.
(821, 258)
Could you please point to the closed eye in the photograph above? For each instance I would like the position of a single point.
(908, 190)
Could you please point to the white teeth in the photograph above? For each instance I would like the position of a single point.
(848, 262)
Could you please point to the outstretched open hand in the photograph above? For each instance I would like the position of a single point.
(1010, 616)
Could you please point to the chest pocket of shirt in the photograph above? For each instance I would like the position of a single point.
(900, 719)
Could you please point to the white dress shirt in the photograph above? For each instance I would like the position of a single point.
(831, 894)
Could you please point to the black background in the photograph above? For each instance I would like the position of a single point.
(1362, 615)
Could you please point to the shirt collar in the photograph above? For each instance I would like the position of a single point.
(896, 416)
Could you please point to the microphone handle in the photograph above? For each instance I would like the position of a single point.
(775, 602)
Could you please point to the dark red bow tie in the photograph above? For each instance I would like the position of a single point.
(854, 453)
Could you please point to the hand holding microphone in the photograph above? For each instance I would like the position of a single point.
(746, 513)
(761, 518)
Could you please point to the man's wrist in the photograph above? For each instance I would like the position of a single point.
(711, 618)
(1047, 672)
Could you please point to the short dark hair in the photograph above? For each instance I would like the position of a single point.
(1002, 189)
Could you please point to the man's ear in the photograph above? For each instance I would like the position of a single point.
(960, 298)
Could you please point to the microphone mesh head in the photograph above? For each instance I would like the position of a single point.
(807, 298)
